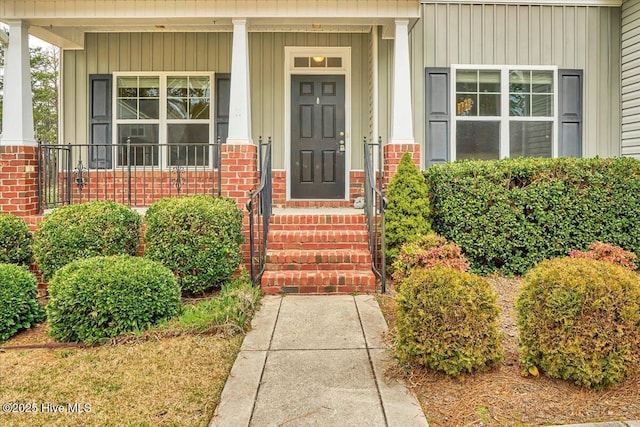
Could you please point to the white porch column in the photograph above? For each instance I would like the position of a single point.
(240, 95)
(17, 113)
(401, 114)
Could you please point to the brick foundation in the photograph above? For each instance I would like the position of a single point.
(19, 180)
(393, 154)
(356, 189)
(239, 165)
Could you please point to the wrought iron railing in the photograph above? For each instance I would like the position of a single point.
(374, 207)
(136, 174)
(260, 208)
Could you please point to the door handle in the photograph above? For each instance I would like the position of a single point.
(342, 146)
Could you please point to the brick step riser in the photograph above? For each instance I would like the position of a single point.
(284, 220)
(317, 236)
(318, 257)
(317, 227)
(311, 246)
(318, 282)
(317, 267)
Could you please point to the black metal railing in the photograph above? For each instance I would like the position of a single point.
(374, 207)
(133, 173)
(260, 208)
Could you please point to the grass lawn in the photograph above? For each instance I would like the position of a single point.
(172, 375)
(502, 396)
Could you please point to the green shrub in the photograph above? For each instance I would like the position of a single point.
(605, 252)
(447, 321)
(19, 308)
(95, 299)
(428, 251)
(83, 231)
(407, 211)
(579, 320)
(15, 240)
(197, 237)
(510, 214)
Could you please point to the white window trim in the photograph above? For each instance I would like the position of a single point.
(289, 69)
(504, 118)
(162, 121)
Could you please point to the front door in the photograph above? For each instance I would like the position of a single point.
(317, 137)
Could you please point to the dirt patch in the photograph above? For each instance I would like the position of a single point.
(502, 396)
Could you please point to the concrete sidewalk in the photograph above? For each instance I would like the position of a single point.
(315, 361)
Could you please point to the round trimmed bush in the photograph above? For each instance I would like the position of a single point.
(579, 320)
(426, 252)
(19, 308)
(197, 237)
(95, 299)
(15, 240)
(83, 231)
(447, 321)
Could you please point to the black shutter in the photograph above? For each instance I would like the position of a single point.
(223, 92)
(437, 132)
(100, 118)
(570, 113)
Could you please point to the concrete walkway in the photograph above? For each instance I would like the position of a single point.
(315, 361)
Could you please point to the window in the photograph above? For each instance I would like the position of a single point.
(166, 117)
(504, 112)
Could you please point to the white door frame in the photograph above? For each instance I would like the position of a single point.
(289, 69)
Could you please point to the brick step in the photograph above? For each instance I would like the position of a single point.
(318, 236)
(324, 282)
(318, 227)
(328, 259)
(317, 219)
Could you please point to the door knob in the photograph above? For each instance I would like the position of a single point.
(342, 148)
(342, 133)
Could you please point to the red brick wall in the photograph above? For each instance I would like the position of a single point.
(392, 155)
(19, 180)
(356, 189)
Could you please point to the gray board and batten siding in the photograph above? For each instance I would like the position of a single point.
(106, 53)
(631, 78)
(583, 38)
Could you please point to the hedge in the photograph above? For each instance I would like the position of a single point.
(19, 308)
(15, 240)
(508, 215)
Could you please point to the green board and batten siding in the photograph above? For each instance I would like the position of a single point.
(106, 53)
(631, 78)
(569, 37)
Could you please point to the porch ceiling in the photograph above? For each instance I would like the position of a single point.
(64, 22)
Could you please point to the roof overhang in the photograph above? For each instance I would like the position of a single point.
(605, 3)
(65, 23)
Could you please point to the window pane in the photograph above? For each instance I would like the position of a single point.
(466, 105)
(301, 61)
(177, 108)
(188, 144)
(149, 87)
(477, 140)
(149, 108)
(127, 109)
(199, 87)
(490, 81)
(466, 81)
(519, 81)
(177, 87)
(489, 105)
(199, 108)
(542, 81)
(144, 144)
(334, 62)
(542, 105)
(127, 87)
(519, 104)
(530, 139)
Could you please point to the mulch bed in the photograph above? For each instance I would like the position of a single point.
(502, 396)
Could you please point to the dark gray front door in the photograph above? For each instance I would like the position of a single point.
(317, 137)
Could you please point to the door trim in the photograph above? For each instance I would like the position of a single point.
(290, 53)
